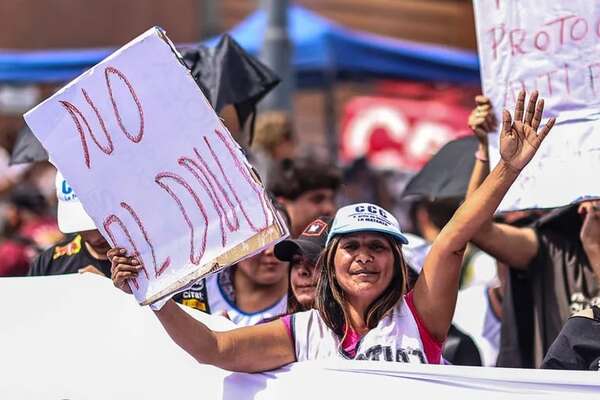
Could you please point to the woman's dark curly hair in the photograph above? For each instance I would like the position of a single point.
(291, 178)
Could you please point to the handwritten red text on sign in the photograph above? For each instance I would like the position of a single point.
(217, 186)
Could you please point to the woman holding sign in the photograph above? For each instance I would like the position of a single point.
(362, 308)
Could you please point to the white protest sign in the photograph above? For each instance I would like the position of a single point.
(552, 46)
(155, 168)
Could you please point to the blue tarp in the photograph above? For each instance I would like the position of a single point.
(48, 65)
(321, 49)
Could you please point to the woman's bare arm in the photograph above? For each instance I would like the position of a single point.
(249, 349)
(515, 246)
(437, 287)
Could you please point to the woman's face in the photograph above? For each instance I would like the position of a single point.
(303, 280)
(364, 266)
(264, 268)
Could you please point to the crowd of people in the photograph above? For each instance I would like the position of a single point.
(350, 282)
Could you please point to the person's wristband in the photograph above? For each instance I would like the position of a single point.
(481, 156)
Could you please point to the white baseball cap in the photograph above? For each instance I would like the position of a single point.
(71, 214)
(365, 217)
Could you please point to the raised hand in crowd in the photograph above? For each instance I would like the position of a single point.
(520, 136)
(520, 139)
(482, 120)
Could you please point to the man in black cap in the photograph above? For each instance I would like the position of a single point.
(302, 254)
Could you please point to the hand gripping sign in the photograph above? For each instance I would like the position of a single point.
(155, 168)
(552, 46)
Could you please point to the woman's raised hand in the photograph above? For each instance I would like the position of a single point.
(123, 268)
(520, 139)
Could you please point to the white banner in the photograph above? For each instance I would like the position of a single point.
(77, 337)
(552, 46)
(154, 166)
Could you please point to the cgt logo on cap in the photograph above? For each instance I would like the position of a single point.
(364, 217)
(371, 209)
(370, 213)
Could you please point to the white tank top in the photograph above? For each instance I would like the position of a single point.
(395, 338)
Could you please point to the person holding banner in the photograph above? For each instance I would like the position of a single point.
(362, 310)
(560, 254)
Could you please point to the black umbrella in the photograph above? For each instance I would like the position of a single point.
(447, 174)
(226, 74)
(564, 219)
(27, 148)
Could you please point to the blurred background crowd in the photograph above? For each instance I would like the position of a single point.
(369, 93)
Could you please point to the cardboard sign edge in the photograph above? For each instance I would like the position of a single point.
(272, 233)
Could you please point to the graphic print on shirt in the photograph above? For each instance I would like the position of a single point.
(70, 249)
(396, 338)
(580, 302)
(388, 353)
(195, 297)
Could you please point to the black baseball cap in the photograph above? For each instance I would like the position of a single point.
(310, 243)
(28, 197)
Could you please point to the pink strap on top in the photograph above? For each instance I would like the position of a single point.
(287, 321)
(431, 346)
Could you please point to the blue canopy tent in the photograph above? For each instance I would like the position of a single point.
(322, 49)
(48, 66)
(323, 53)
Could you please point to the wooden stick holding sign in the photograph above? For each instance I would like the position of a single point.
(155, 168)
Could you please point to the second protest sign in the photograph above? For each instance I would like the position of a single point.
(552, 46)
